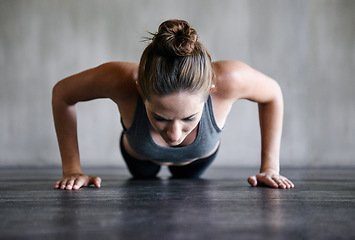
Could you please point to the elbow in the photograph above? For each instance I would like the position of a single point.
(276, 101)
(274, 96)
(56, 93)
(59, 94)
(275, 92)
(278, 96)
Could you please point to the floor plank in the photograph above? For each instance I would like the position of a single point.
(221, 205)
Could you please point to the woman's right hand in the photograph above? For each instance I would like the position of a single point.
(76, 181)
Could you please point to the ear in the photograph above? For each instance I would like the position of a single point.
(213, 86)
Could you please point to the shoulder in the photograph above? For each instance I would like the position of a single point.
(119, 83)
(236, 80)
(114, 80)
(229, 84)
(118, 79)
(121, 68)
(231, 77)
(118, 72)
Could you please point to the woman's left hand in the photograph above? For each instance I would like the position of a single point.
(271, 180)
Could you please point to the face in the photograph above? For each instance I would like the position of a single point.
(175, 116)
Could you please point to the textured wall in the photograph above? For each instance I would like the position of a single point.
(307, 46)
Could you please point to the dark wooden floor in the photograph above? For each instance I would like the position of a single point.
(219, 206)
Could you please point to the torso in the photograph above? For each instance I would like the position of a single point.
(202, 142)
(221, 109)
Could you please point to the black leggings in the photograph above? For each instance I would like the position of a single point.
(147, 169)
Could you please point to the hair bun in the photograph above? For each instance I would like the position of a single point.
(175, 37)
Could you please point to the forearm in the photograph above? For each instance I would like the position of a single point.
(66, 128)
(271, 118)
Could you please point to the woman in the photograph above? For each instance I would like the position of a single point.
(173, 107)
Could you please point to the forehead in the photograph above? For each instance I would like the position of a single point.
(175, 106)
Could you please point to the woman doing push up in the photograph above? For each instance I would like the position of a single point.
(173, 107)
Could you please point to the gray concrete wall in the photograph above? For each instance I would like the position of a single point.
(307, 46)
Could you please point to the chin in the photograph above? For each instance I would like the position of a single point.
(173, 144)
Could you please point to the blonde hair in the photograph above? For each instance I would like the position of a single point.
(175, 61)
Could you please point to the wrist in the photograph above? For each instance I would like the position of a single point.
(273, 171)
(270, 164)
(67, 171)
(71, 165)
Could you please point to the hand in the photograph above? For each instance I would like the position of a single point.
(76, 181)
(271, 180)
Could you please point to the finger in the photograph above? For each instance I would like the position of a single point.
(282, 185)
(287, 183)
(290, 183)
(79, 182)
(57, 184)
(96, 181)
(70, 183)
(279, 182)
(63, 184)
(252, 181)
(268, 181)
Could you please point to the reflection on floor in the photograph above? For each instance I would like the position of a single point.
(221, 205)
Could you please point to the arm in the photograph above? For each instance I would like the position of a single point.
(271, 116)
(64, 115)
(99, 82)
(242, 82)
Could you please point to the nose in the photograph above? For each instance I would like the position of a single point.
(174, 132)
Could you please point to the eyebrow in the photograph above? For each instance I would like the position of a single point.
(167, 119)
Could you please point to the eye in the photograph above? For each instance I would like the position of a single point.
(189, 119)
(160, 119)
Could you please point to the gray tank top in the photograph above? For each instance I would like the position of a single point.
(140, 139)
